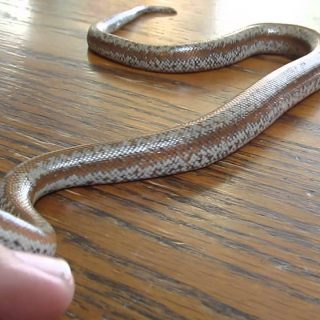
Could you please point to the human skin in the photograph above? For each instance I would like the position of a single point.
(33, 287)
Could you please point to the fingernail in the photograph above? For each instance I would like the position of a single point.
(53, 266)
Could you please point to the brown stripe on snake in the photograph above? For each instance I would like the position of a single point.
(187, 147)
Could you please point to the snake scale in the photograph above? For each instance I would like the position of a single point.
(187, 147)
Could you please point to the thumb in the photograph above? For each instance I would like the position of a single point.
(33, 287)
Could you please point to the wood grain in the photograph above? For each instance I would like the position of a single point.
(237, 240)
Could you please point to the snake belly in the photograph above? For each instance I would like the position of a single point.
(188, 147)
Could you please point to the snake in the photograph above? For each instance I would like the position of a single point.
(189, 146)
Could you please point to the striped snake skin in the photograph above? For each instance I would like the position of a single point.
(188, 147)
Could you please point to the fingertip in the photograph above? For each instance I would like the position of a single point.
(34, 287)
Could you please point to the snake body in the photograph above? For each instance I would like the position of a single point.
(188, 147)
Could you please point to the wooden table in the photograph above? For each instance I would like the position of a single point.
(237, 240)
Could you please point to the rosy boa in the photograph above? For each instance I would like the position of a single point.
(187, 147)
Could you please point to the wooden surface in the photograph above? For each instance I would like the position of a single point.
(237, 240)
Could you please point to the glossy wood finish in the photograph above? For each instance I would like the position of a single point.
(237, 240)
